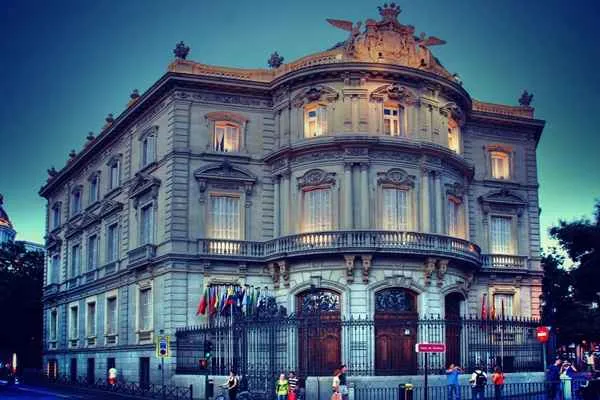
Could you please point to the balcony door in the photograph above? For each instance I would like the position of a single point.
(319, 332)
(395, 332)
(453, 303)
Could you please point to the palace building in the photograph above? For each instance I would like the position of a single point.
(360, 189)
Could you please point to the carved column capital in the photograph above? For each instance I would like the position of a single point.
(366, 264)
(349, 261)
(348, 166)
(364, 166)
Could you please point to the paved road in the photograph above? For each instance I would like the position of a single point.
(44, 393)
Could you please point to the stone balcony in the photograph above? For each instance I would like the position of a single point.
(506, 262)
(331, 242)
(141, 255)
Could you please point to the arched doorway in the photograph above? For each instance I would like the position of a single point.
(395, 331)
(319, 331)
(452, 311)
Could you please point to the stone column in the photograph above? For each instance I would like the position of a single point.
(276, 207)
(347, 222)
(438, 201)
(285, 203)
(364, 196)
(425, 204)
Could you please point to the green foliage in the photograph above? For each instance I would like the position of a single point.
(21, 281)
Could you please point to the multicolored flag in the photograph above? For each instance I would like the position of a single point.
(483, 309)
(492, 311)
(203, 302)
(502, 309)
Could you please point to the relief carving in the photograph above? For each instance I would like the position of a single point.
(397, 177)
(429, 269)
(316, 177)
(366, 263)
(349, 261)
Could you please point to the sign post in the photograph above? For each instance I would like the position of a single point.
(427, 348)
(542, 334)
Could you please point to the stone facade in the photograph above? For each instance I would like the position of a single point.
(159, 164)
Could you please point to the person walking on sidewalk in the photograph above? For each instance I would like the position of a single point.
(478, 381)
(292, 385)
(452, 374)
(498, 381)
(282, 387)
(343, 382)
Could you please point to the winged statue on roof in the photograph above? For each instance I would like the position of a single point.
(349, 26)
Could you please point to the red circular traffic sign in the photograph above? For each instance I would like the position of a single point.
(542, 334)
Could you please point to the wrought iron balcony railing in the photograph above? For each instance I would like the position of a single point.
(413, 243)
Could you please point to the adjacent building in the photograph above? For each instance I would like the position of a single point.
(8, 232)
(362, 181)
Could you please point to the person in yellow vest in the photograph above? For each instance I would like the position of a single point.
(282, 387)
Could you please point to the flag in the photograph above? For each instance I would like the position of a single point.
(202, 304)
(483, 311)
(245, 296)
(214, 299)
(492, 310)
(502, 309)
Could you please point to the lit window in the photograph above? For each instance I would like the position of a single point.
(226, 137)
(147, 224)
(53, 324)
(94, 188)
(75, 260)
(115, 179)
(56, 215)
(91, 319)
(318, 215)
(112, 242)
(453, 140)
(501, 235)
(145, 310)
(225, 217)
(74, 323)
(500, 165)
(148, 150)
(92, 259)
(455, 218)
(396, 215)
(315, 121)
(393, 121)
(503, 303)
(76, 201)
(111, 316)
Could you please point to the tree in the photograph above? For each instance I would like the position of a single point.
(21, 281)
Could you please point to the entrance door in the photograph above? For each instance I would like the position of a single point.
(52, 368)
(144, 372)
(91, 371)
(395, 332)
(319, 332)
(73, 370)
(453, 327)
(110, 363)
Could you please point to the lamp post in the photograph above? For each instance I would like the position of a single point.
(162, 368)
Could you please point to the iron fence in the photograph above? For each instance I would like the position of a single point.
(315, 346)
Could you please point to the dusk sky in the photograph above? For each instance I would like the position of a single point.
(66, 64)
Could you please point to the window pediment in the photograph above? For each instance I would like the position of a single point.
(88, 219)
(315, 94)
(114, 160)
(453, 110)
(72, 230)
(148, 131)
(226, 173)
(396, 177)
(316, 177)
(142, 184)
(108, 207)
(502, 200)
(52, 242)
(217, 116)
(395, 93)
(93, 175)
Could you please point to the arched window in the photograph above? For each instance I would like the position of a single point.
(315, 120)
(395, 300)
(226, 137)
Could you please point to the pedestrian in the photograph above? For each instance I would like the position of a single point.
(553, 379)
(112, 376)
(293, 385)
(589, 360)
(567, 372)
(282, 387)
(478, 381)
(232, 385)
(498, 381)
(335, 385)
(343, 382)
(452, 374)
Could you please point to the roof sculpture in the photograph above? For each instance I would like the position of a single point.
(4, 220)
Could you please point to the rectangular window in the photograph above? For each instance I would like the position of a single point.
(504, 302)
(56, 216)
(92, 256)
(75, 260)
(227, 137)
(53, 325)
(148, 150)
(318, 215)
(112, 243)
(315, 121)
(114, 174)
(147, 224)
(395, 209)
(75, 202)
(455, 221)
(500, 165)
(91, 319)
(501, 235)
(453, 143)
(94, 189)
(392, 121)
(74, 322)
(53, 273)
(145, 310)
(111, 316)
(225, 217)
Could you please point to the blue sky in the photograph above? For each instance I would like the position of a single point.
(66, 64)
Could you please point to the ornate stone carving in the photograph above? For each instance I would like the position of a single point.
(318, 156)
(88, 219)
(429, 269)
(274, 271)
(284, 269)
(224, 176)
(142, 184)
(316, 177)
(395, 176)
(319, 301)
(315, 93)
(394, 300)
(52, 172)
(356, 151)
(231, 99)
(366, 264)
(226, 116)
(107, 207)
(525, 99)
(394, 92)
(453, 110)
(442, 268)
(349, 262)
(502, 200)
(181, 51)
(275, 61)
(393, 155)
(456, 189)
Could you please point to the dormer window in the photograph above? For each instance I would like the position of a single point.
(315, 120)
(453, 135)
(226, 137)
(500, 164)
(393, 120)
